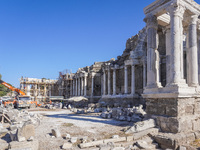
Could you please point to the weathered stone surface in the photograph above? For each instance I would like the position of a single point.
(91, 144)
(140, 126)
(182, 148)
(118, 148)
(67, 136)
(67, 146)
(56, 133)
(120, 139)
(26, 131)
(151, 132)
(13, 135)
(3, 131)
(33, 145)
(115, 136)
(73, 139)
(3, 145)
(165, 142)
(142, 144)
(21, 138)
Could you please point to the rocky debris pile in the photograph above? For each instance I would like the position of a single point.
(55, 105)
(17, 129)
(134, 114)
(140, 140)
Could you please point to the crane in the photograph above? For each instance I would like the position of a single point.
(12, 88)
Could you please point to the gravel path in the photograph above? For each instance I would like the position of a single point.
(87, 125)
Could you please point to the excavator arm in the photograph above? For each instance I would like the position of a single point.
(12, 88)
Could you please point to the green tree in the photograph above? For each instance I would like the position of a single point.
(3, 90)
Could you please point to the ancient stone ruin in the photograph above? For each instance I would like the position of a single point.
(159, 68)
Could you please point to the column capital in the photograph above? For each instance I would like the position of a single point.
(151, 21)
(193, 19)
(177, 10)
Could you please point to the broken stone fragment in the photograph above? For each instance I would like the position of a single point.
(73, 139)
(115, 136)
(3, 131)
(142, 144)
(31, 138)
(26, 131)
(21, 138)
(3, 144)
(118, 148)
(13, 135)
(67, 136)
(56, 133)
(67, 146)
(84, 139)
(142, 125)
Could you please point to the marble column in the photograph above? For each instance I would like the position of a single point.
(71, 87)
(176, 15)
(152, 53)
(198, 45)
(133, 79)
(104, 82)
(35, 91)
(144, 73)
(28, 89)
(92, 86)
(114, 81)
(125, 79)
(109, 81)
(82, 87)
(168, 55)
(85, 85)
(45, 90)
(49, 89)
(192, 52)
(76, 86)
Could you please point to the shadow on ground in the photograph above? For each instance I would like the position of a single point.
(89, 118)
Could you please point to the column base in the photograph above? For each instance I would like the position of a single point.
(172, 90)
(152, 86)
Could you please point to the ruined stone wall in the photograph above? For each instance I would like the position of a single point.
(175, 114)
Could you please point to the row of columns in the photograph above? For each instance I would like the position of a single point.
(125, 80)
(174, 50)
(79, 86)
(36, 89)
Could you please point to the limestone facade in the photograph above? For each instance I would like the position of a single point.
(160, 65)
(175, 103)
(40, 89)
(114, 80)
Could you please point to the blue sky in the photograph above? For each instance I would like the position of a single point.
(39, 38)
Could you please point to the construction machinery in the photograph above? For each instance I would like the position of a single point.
(21, 100)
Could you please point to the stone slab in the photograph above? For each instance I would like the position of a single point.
(120, 139)
(138, 135)
(91, 144)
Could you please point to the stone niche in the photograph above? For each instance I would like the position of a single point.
(172, 91)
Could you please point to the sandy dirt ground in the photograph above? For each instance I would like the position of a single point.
(86, 125)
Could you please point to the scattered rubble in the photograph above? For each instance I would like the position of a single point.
(134, 114)
(56, 133)
(19, 129)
